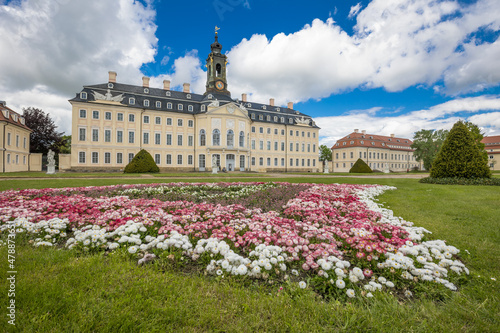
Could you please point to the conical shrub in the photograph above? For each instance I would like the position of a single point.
(142, 162)
(360, 167)
(460, 156)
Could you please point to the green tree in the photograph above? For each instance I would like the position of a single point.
(460, 156)
(142, 162)
(427, 144)
(478, 136)
(360, 167)
(65, 147)
(44, 135)
(325, 153)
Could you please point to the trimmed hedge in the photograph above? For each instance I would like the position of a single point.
(360, 167)
(461, 181)
(142, 162)
(460, 157)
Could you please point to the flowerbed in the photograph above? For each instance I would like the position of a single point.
(332, 238)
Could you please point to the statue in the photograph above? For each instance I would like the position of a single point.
(214, 104)
(51, 163)
(107, 97)
(214, 164)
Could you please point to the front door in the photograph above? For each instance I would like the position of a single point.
(230, 162)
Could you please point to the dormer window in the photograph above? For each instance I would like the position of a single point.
(252, 116)
(131, 101)
(249, 105)
(343, 143)
(290, 120)
(268, 118)
(83, 95)
(261, 117)
(278, 109)
(263, 107)
(146, 90)
(352, 142)
(373, 143)
(362, 142)
(188, 96)
(363, 136)
(146, 102)
(179, 107)
(14, 117)
(190, 108)
(383, 144)
(169, 105)
(275, 119)
(168, 93)
(390, 139)
(158, 104)
(203, 107)
(297, 112)
(397, 140)
(110, 85)
(22, 120)
(210, 96)
(371, 137)
(406, 141)
(282, 119)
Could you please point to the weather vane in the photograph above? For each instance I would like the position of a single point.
(216, 29)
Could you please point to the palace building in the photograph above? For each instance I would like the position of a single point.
(492, 147)
(184, 131)
(15, 143)
(382, 153)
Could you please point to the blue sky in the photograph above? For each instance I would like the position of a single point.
(385, 66)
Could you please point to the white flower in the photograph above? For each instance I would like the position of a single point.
(302, 284)
(389, 284)
(295, 272)
(219, 272)
(132, 249)
(340, 284)
(369, 295)
(350, 293)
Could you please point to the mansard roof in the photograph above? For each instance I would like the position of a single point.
(12, 117)
(356, 139)
(178, 97)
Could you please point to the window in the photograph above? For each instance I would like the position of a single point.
(179, 139)
(268, 118)
(314, 163)
(169, 105)
(81, 157)
(24, 143)
(275, 145)
(131, 101)
(282, 162)
(308, 162)
(179, 122)
(216, 137)
(107, 135)
(291, 146)
(261, 161)
(314, 135)
(291, 132)
(95, 114)
(230, 138)
(157, 139)
(188, 96)
(282, 146)
(352, 154)
(179, 159)
(314, 148)
(203, 108)
(261, 145)
(203, 138)
(190, 109)
(303, 147)
(190, 140)
(145, 137)
(253, 144)
(242, 139)
(119, 158)
(157, 158)
(282, 119)
(169, 159)
(8, 158)
(290, 120)
(83, 95)
(190, 123)
(169, 121)
(261, 117)
(303, 133)
(297, 146)
(131, 137)
(107, 158)
(252, 116)
(291, 162)
(242, 161)
(253, 129)
(158, 104)
(146, 119)
(119, 136)
(169, 139)
(275, 161)
(296, 162)
(179, 107)
(130, 157)
(107, 115)
(268, 130)
(83, 113)
(131, 118)
(95, 135)
(308, 134)
(146, 102)
(190, 159)
(343, 155)
(268, 145)
(158, 120)
(95, 157)
(275, 118)
(296, 133)
(253, 160)
(303, 162)
(119, 116)
(82, 134)
(201, 159)
(308, 147)
(24, 159)
(168, 93)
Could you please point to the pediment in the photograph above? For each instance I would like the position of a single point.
(231, 109)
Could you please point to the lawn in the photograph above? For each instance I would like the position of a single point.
(58, 291)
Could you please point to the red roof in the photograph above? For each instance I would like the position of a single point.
(491, 140)
(356, 139)
(11, 116)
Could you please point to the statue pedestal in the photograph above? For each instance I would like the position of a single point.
(214, 170)
(51, 169)
(325, 170)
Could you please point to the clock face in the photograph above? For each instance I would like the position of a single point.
(219, 85)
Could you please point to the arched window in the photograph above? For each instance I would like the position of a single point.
(218, 70)
(230, 138)
(216, 137)
(203, 138)
(242, 139)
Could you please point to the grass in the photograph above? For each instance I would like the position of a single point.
(57, 291)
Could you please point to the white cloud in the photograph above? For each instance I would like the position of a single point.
(439, 116)
(354, 10)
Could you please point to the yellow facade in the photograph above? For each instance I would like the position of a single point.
(14, 142)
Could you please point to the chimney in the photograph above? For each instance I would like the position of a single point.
(3, 103)
(363, 131)
(271, 101)
(145, 82)
(243, 97)
(112, 77)
(186, 87)
(166, 84)
(356, 130)
(392, 135)
(290, 105)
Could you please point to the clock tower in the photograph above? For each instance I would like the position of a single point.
(216, 69)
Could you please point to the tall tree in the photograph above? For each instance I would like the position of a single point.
(44, 135)
(427, 144)
(478, 136)
(325, 153)
(460, 156)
